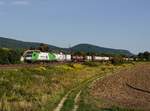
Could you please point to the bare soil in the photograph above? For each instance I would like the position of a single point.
(128, 88)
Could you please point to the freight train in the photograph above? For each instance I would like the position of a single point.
(32, 56)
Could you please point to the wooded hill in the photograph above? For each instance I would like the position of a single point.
(87, 48)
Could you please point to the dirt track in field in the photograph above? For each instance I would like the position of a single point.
(76, 105)
(129, 88)
(61, 103)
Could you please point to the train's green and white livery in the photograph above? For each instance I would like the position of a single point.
(36, 55)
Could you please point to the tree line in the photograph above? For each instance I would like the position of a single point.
(145, 56)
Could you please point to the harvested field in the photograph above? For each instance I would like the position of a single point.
(128, 89)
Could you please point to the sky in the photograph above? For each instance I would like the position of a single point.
(120, 24)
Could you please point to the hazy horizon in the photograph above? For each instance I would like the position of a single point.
(63, 23)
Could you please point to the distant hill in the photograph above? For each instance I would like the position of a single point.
(98, 49)
(11, 43)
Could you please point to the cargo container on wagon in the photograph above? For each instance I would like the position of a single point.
(68, 57)
(60, 57)
(100, 58)
(89, 58)
(77, 58)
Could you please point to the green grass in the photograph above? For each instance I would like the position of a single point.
(41, 88)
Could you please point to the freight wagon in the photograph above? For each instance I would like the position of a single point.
(99, 58)
(77, 58)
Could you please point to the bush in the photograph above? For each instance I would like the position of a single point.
(91, 64)
(117, 60)
(9, 56)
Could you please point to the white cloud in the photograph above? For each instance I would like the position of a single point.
(20, 2)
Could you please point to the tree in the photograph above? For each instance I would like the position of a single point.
(117, 60)
(14, 56)
(79, 53)
(43, 47)
(4, 56)
(144, 56)
(9, 56)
